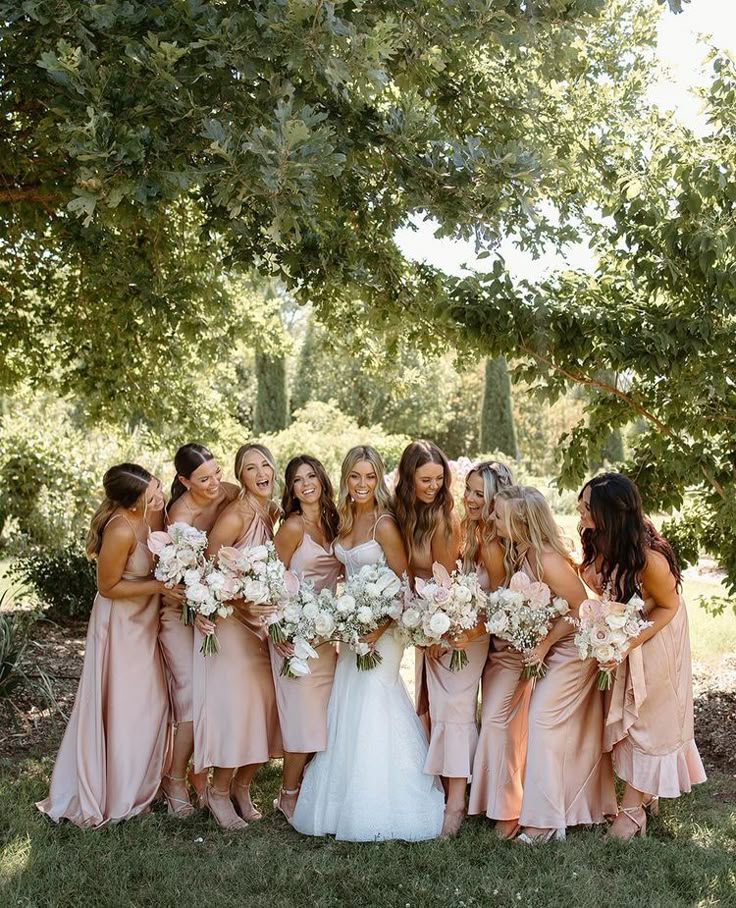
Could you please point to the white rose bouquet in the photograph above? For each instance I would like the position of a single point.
(522, 614)
(443, 606)
(305, 619)
(368, 599)
(209, 592)
(178, 550)
(256, 571)
(604, 629)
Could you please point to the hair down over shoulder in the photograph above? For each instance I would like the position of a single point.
(290, 504)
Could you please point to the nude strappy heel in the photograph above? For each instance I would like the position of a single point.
(291, 793)
(638, 817)
(237, 823)
(251, 813)
(551, 835)
(177, 807)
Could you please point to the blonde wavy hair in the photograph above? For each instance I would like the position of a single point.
(530, 526)
(240, 457)
(480, 533)
(345, 505)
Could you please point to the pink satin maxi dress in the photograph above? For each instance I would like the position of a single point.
(176, 641)
(568, 778)
(235, 718)
(500, 758)
(302, 702)
(117, 743)
(649, 723)
(448, 701)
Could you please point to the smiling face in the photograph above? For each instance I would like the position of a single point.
(306, 485)
(474, 496)
(428, 481)
(583, 507)
(362, 481)
(257, 474)
(205, 481)
(153, 498)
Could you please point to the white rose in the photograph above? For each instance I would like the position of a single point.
(324, 624)
(291, 613)
(255, 591)
(345, 603)
(604, 653)
(497, 623)
(439, 624)
(361, 648)
(561, 605)
(191, 576)
(310, 610)
(411, 618)
(197, 593)
(224, 611)
(364, 615)
(463, 594)
(394, 611)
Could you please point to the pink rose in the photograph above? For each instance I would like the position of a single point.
(519, 583)
(538, 594)
(291, 583)
(229, 557)
(441, 595)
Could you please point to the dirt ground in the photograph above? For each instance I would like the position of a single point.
(31, 727)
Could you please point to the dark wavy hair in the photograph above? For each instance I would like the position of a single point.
(418, 521)
(123, 484)
(186, 461)
(290, 504)
(621, 536)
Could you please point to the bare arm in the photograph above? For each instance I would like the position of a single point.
(387, 534)
(446, 548)
(227, 530)
(661, 586)
(563, 581)
(288, 538)
(118, 543)
(492, 559)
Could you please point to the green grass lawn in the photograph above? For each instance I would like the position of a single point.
(690, 860)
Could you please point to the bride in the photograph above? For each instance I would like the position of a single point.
(369, 783)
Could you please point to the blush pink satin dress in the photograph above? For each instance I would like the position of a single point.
(447, 702)
(649, 723)
(176, 640)
(568, 779)
(500, 758)
(116, 746)
(235, 718)
(302, 702)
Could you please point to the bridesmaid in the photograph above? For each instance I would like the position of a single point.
(304, 543)
(236, 726)
(198, 496)
(498, 767)
(116, 745)
(446, 701)
(568, 779)
(649, 726)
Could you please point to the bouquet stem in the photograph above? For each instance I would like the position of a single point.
(276, 633)
(210, 645)
(369, 661)
(534, 671)
(458, 660)
(286, 671)
(187, 614)
(604, 680)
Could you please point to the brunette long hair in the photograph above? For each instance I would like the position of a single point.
(530, 526)
(477, 534)
(345, 507)
(621, 536)
(123, 484)
(186, 461)
(418, 521)
(290, 504)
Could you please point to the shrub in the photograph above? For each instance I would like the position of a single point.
(64, 581)
(15, 663)
(322, 430)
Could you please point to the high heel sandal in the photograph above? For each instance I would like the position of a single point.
(233, 825)
(451, 822)
(501, 833)
(290, 793)
(198, 781)
(176, 807)
(251, 813)
(551, 835)
(638, 817)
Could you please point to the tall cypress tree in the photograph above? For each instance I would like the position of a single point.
(272, 411)
(496, 417)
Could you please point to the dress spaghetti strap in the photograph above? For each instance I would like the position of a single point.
(380, 518)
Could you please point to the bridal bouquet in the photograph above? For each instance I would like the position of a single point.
(445, 605)
(209, 592)
(522, 614)
(178, 550)
(305, 619)
(604, 629)
(256, 572)
(368, 599)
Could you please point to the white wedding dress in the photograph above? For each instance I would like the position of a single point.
(369, 784)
